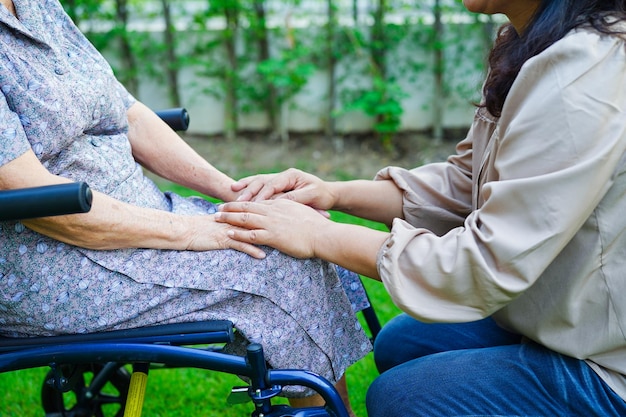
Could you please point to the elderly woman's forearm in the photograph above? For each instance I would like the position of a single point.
(112, 224)
(162, 151)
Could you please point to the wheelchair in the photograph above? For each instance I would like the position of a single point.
(80, 366)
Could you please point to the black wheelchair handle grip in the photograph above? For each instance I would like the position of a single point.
(49, 200)
(176, 118)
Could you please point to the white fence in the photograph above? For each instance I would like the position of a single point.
(307, 111)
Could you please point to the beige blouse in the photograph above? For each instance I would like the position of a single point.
(527, 222)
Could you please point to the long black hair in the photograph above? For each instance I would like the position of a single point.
(551, 22)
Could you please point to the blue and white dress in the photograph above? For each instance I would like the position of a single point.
(61, 99)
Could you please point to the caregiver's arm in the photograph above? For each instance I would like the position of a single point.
(375, 200)
(300, 231)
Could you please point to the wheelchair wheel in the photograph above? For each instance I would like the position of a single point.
(92, 390)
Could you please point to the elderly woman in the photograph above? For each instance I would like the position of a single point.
(140, 256)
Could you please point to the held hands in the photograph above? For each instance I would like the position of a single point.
(285, 225)
(264, 215)
(267, 211)
(291, 184)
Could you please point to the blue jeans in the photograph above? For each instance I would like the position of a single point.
(478, 369)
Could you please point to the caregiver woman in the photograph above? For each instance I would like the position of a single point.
(513, 250)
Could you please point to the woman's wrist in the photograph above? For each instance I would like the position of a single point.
(212, 183)
(336, 195)
(224, 192)
(350, 246)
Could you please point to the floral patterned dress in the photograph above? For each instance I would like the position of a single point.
(60, 100)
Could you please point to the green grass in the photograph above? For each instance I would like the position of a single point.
(193, 392)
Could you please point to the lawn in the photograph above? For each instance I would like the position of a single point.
(191, 392)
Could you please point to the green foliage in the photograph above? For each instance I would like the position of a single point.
(376, 61)
(287, 73)
(80, 10)
(382, 102)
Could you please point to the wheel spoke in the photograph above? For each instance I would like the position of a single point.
(108, 399)
(99, 404)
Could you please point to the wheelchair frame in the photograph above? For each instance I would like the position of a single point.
(168, 345)
(173, 345)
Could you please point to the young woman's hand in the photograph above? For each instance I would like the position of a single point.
(290, 227)
(300, 231)
(291, 184)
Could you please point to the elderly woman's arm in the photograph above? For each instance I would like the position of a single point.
(112, 224)
(160, 150)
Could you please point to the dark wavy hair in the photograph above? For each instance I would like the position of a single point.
(552, 21)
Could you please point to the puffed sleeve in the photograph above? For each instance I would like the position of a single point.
(438, 195)
(13, 141)
(559, 142)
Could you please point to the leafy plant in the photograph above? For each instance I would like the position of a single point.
(382, 102)
(287, 73)
(252, 66)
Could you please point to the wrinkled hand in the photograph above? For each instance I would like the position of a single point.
(285, 225)
(291, 184)
(208, 234)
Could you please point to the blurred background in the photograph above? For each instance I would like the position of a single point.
(280, 67)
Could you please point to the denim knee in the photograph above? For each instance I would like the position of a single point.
(379, 396)
(399, 341)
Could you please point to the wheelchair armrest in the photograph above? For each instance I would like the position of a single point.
(203, 332)
(176, 118)
(49, 200)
